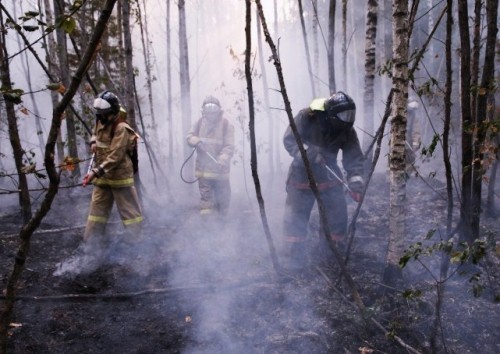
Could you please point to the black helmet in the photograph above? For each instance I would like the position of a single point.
(106, 103)
(341, 106)
(211, 105)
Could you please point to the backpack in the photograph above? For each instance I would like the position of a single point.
(133, 154)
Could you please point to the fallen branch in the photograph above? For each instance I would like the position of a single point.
(47, 231)
(127, 295)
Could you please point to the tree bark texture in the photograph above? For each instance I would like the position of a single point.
(64, 76)
(331, 46)
(184, 72)
(306, 48)
(251, 126)
(15, 141)
(267, 111)
(397, 144)
(370, 70)
(486, 88)
(169, 89)
(129, 66)
(467, 122)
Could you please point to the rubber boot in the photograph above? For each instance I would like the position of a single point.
(295, 256)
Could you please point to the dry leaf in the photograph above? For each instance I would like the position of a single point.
(69, 164)
(61, 89)
(28, 168)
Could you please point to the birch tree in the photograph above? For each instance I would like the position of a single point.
(392, 273)
(370, 69)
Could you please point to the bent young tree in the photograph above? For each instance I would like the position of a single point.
(28, 229)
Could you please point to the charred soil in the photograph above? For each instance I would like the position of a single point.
(212, 288)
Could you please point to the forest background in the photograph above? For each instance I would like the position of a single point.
(163, 58)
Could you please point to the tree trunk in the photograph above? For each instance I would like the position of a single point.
(306, 46)
(486, 88)
(51, 55)
(15, 141)
(64, 73)
(331, 46)
(370, 69)
(315, 25)
(467, 122)
(446, 132)
(251, 125)
(169, 92)
(397, 213)
(344, 45)
(184, 73)
(36, 112)
(267, 105)
(147, 63)
(129, 66)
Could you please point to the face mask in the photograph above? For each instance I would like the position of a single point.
(211, 117)
(102, 118)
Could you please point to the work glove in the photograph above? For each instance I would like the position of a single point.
(356, 187)
(314, 155)
(194, 141)
(222, 160)
(88, 178)
(93, 147)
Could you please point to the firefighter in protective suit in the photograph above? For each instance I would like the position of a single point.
(113, 174)
(213, 137)
(326, 128)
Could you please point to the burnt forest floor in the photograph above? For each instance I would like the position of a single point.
(212, 288)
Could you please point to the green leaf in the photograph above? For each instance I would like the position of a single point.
(30, 28)
(68, 25)
(430, 234)
(12, 95)
(54, 86)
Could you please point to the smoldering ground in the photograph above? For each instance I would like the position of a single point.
(212, 287)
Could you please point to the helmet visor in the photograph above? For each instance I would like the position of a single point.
(347, 116)
(211, 108)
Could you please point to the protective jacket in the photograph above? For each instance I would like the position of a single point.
(114, 182)
(217, 147)
(114, 143)
(323, 139)
(315, 131)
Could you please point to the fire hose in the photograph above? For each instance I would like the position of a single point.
(189, 157)
(91, 164)
(355, 196)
